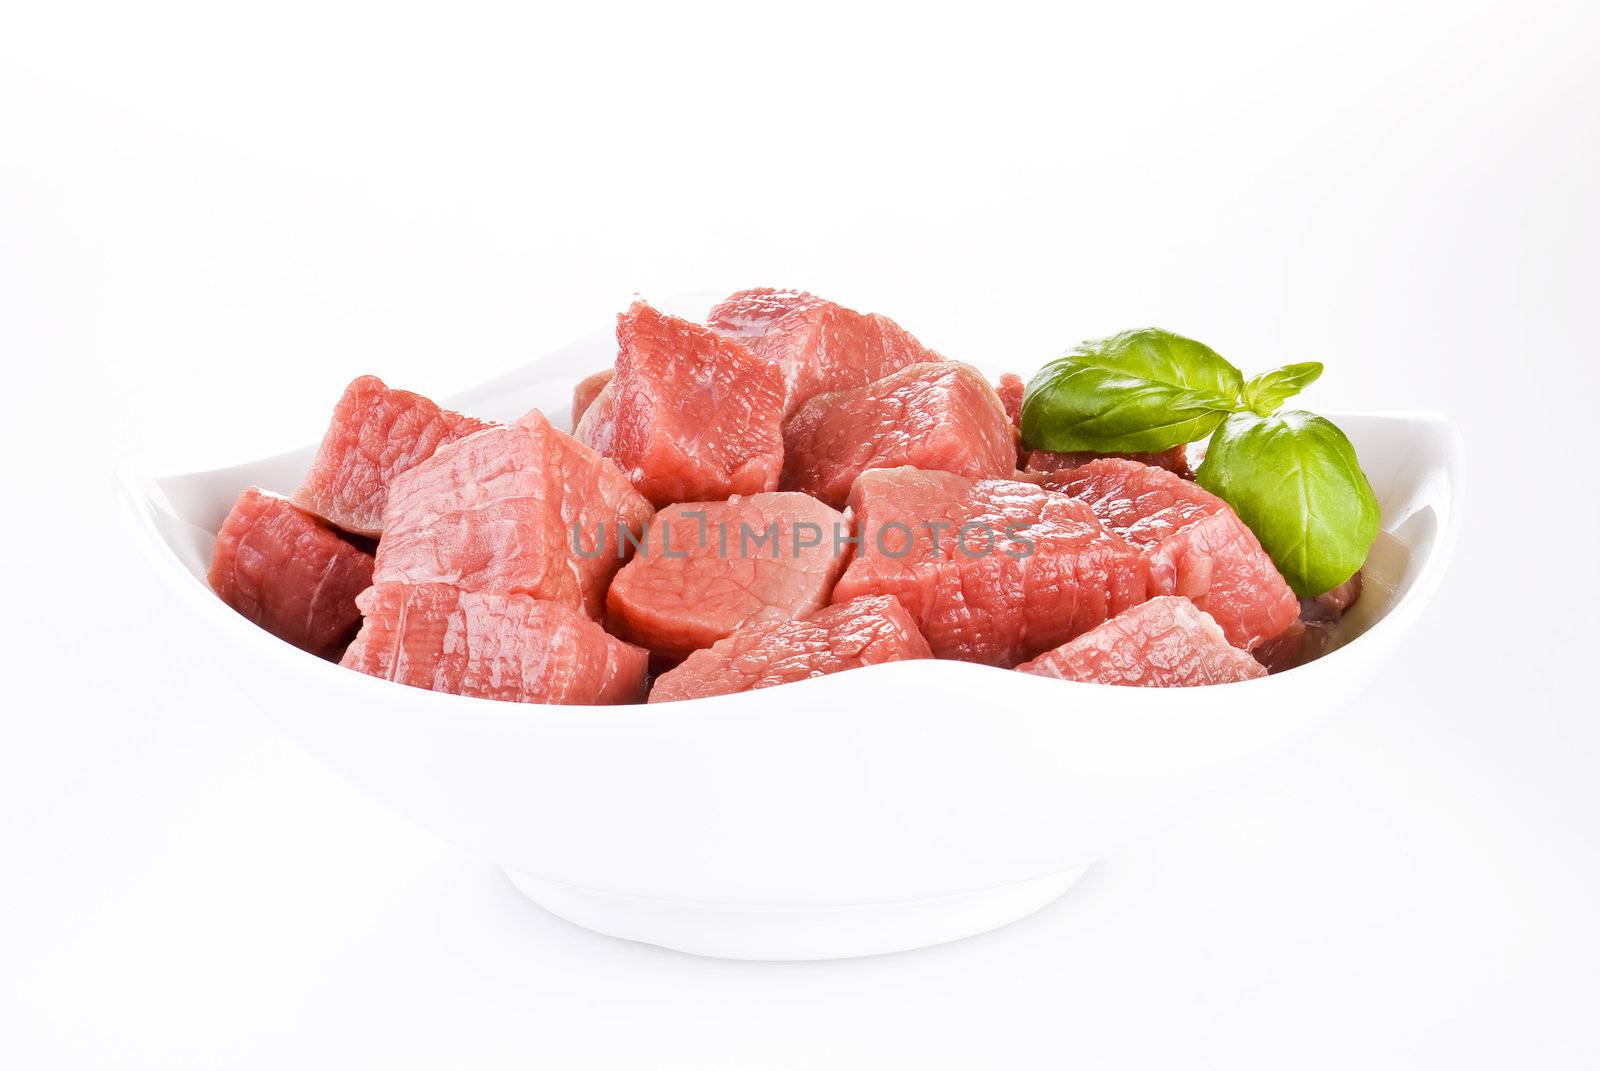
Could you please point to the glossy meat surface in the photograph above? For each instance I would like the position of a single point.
(1010, 389)
(861, 632)
(941, 415)
(992, 571)
(751, 313)
(587, 390)
(1163, 643)
(376, 433)
(289, 572)
(492, 646)
(709, 569)
(691, 415)
(518, 508)
(1195, 545)
(816, 345)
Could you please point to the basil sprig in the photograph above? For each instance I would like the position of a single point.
(1139, 391)
(1292, 476)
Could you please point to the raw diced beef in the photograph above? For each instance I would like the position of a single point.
(750, 313)
(691, 415)
(1175, 460)
(1195, 545)
(289, 572)
(493, 646)
(817, 345)
(1331, 605)
(992, 571)
(1163, 643)
(861, 632)
(940, 415)
(710, 568)
(1010, 389)
(1303, 641)
(1312, 636)
(519, 508)
(587, 390)
(376, 433)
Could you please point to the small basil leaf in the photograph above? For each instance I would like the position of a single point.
(1295, 480)
(1139, 391)
(1264, 393)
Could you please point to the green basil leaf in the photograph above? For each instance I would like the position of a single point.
(1139, 391)
(1264, 393)
(1295, 480)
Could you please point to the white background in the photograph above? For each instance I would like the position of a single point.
(212, 217)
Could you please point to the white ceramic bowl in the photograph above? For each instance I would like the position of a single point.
(882, 809)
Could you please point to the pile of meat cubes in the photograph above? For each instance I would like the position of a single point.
(789, 489)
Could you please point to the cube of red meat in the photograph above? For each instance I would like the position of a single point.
(519, 508)
(289, 572)
(493, 646)
(750, 313)
(691, 416)
(993, 571)
(587, 390)
(940, 415)
(817, 345)
(376, 434)
(861, 632)
(709, 569)
(1163, 643)
(1313, 635)
(1331, 605)
(1011, 388)
(1196, 546)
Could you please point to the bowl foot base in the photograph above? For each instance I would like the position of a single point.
(733, 931)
